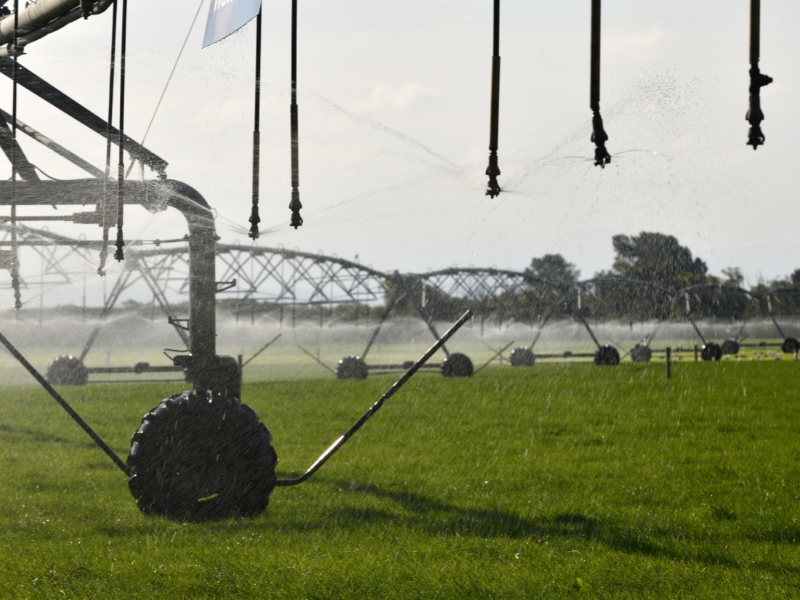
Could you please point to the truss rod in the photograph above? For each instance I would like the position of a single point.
(375, 407)
(36, 85)
(12, 150)
(152, 283)
(51, 145)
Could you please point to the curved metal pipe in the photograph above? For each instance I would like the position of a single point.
(154, 196)
(41, 19)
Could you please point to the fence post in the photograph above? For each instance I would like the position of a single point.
(669, 362)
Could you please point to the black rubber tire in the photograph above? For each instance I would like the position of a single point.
(199, 457)
(522, 357)
(606, 356)
(730, 347)
(641, 353)
(711, 352)
(352, 367)
(790, 346)
(457, 365)
(67, 370)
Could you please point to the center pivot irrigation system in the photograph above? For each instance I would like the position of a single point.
(203, 454)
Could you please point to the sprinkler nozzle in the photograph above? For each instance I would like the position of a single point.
(119, 255)
(599, 137)
(755, 137)
(493, 170)
(295, 207)
(254, 221)
(755, 115)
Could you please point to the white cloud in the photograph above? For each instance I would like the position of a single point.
(397, 98)
(639, 46)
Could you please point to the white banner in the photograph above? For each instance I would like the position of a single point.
(226, 16)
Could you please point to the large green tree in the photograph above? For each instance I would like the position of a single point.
(654, 257)
(554, 268)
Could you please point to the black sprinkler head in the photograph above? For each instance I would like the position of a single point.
(295, 205)
(755, 137)
(493, 170)
(599, 137)
(493, 190)
(601, 157)
(254, 221)
(297, 220)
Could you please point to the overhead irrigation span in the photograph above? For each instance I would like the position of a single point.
(286, 277)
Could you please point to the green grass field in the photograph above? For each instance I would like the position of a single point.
(548, 482)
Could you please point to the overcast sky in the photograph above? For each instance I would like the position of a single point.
(394, 118)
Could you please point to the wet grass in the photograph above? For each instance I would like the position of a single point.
(550, 482)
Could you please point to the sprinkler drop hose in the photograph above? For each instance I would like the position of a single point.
(755, 136)
(374, 408)
(119, 255)
(255, 219)
(14, 249)
(70, 411)
(101, 269)
(295, 205)
(493, 170)
(599, 135)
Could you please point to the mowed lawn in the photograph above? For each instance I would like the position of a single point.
(551, 482)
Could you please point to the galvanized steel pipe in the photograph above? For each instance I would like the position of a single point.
(41, 19)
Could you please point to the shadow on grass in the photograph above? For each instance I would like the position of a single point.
(434, 517)
(37, 436)
(438, 518)
(783, 535)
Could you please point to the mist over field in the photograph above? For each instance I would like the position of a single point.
(133, 331)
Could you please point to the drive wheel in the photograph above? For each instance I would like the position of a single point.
(711, 352)
(67, 370)
(522, 357)
(457, 365)
(730, 347)
(790, 346)
(200, 457)
(352, 367)
(606, 356)
(641, 353)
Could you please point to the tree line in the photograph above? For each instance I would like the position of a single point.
(653, 277)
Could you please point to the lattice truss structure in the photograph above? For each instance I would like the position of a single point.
(284, 278)
(59, 258)
(270, 275)
(288, 277)
(482, 288)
